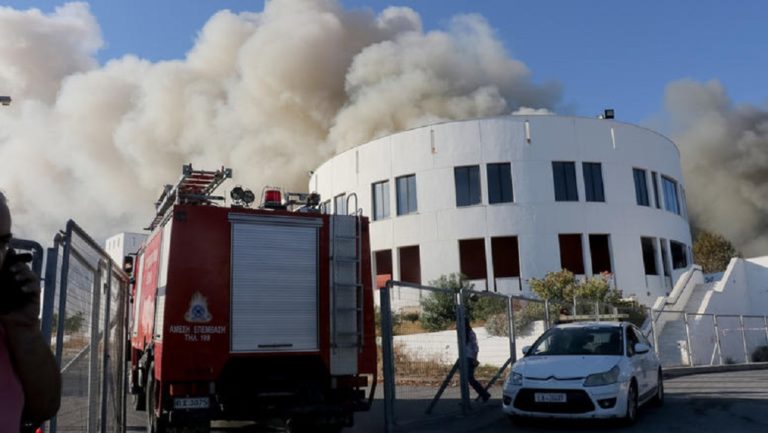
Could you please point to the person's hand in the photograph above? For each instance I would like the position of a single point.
(21, 294)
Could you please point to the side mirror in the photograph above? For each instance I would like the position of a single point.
(128, 264)
(642, 348)
(526, 349)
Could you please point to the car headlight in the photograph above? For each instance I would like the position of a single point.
(515, 379)
(605, 378)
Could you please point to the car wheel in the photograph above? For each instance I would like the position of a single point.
(658, 399)
(631, 415)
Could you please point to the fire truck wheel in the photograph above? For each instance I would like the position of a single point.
(139, 401)
(155, 423)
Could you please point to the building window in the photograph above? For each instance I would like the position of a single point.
(472, 258)
(564, 174)
(571, 254)
(671, 202)
(383, 260)
(499, 183)
(641, 187)
(679, 258)
(600, 253)
(410, 264)
(380, 200)
(649, 255)
(655, 180)
(505, 256)
(340, 205)
(467, 180)
(406, 194)
(593, 181)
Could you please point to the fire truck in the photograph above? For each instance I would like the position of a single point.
(250, 313)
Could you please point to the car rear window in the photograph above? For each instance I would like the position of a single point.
(596, 340)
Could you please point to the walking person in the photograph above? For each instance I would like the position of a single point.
(471, 352)
(30, 383)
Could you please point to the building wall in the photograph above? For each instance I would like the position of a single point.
(530, 144)
(122, 244)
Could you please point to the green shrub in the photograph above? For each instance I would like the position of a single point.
(760, 354)
(497, 325)
(411, 316)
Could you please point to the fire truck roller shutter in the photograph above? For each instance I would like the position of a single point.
(274, 283)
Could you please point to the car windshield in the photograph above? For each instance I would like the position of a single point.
(587, 340)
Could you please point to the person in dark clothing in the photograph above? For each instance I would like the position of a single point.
(471, 351)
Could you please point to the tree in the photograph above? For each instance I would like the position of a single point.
(712, 251)
(438, 309)
(557, 287)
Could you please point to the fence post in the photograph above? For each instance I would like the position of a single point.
(49, 294)
(512, 331)
(105, 359)
(765, 321)
(462, 340)
(717, 339)
(744, 339)
(93, 349)
(387, 357)
(597, 311)
(653, 330)
(691, 363)
(546, 313)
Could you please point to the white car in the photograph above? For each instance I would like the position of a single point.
(585, 370)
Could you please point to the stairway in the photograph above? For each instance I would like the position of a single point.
(673, 340)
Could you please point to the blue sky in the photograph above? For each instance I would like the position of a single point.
(604, 53)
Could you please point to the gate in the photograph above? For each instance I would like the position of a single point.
(84, 304)
(423, 347)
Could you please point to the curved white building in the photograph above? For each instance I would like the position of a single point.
(508, 198)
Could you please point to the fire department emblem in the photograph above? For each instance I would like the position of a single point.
(198, 310)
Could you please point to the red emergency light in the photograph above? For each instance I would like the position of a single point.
(272, 197)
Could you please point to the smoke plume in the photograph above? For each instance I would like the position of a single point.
(724, 152)
(271, 94)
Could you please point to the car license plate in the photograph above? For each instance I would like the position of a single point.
(192, 403)
(549, 397)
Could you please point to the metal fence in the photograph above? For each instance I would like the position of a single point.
(83, 315)
(423, 351)
(696, 339)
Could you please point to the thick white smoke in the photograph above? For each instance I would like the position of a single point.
(270, 94)
(724, 151)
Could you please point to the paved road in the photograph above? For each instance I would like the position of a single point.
(705, 403)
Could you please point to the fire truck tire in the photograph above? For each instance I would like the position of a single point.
(139, 401)
(155, 423)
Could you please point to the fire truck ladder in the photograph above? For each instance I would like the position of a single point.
(194, 186)
(346, 291)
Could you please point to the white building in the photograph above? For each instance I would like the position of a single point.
(122, 244)
(508, 198)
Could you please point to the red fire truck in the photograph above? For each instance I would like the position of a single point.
(251, 314)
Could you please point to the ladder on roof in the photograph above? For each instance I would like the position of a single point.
(194, 186)
(346, 293)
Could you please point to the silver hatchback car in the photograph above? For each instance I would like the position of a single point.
(585, 370)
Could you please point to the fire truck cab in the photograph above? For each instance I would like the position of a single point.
(250, 314)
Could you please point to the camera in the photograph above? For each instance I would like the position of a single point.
(12, 295)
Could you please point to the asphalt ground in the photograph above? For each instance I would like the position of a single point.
(734, 401)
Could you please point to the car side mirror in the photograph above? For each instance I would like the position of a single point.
(642, 348)
(526, 349)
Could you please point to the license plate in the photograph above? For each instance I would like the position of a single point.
(192, 403)
(549, 397)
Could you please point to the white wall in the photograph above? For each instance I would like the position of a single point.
(122, 244)
(432, 152)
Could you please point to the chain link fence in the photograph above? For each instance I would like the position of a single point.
(423, 341)
(83, 314)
